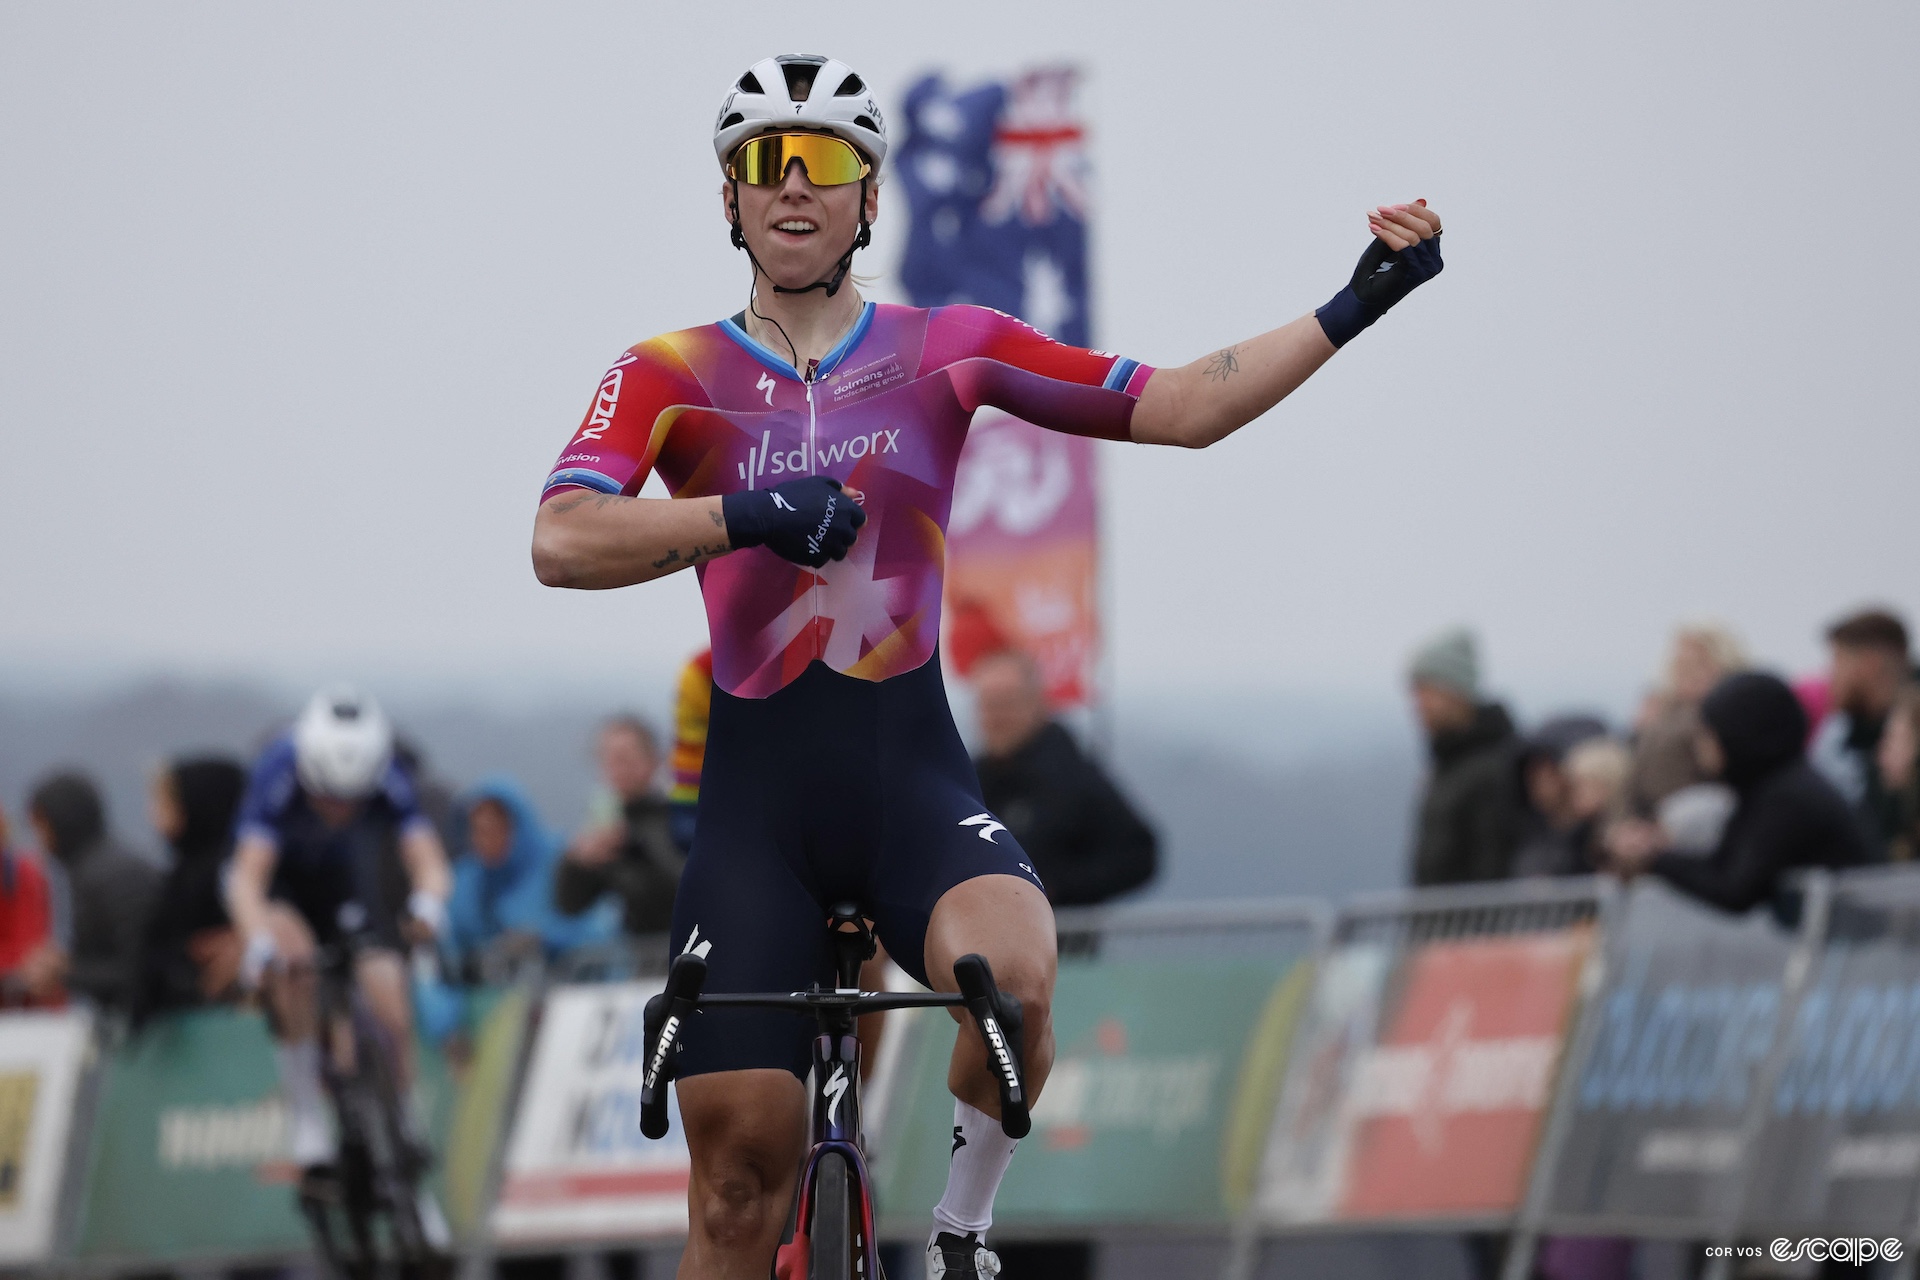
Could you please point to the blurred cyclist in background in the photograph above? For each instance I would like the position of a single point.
(810, 442)
(325, 804)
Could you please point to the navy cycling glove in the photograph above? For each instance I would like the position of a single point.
(1382, 279)
(808, 521)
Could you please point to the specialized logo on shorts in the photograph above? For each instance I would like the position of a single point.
(782, 503)
(987, 823)
(1035, 874)
(691, 950)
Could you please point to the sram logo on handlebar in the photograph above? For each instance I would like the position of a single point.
(1002, 1054)
(662, 1048)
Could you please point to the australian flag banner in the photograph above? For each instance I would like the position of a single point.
(996, 176)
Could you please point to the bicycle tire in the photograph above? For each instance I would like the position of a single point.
(831, 1234)
(316, 1209)
(396, 1168)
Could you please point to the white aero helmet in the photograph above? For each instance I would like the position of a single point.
(836, 100)
(342, 744)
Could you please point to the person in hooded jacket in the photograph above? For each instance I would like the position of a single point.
(1786, 815)
(503, 880)
(110, 889)
(191, 954)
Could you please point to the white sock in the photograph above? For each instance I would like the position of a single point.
(309, 1125)
(981, 1153)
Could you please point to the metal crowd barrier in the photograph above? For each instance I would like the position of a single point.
(1408, 949)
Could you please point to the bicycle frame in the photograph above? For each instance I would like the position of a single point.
(836, 1063)
(836, 1128)
(376, 1171)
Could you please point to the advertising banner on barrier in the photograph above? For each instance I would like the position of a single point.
(1840, 1146)
(1304, 1169)
(190, 1115)
(577, 1166)
(1446, 1108)
(1425, 1103)
(1164, 1079)
(41, 1056)
(1688, 1013)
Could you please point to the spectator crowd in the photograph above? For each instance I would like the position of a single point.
(84, 917)
(1729, 780)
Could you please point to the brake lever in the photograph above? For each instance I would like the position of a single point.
(666, 1015)
(1001, 1022)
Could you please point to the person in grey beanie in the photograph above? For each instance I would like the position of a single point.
(1468, 821)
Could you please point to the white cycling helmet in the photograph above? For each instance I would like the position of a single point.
(342, 744)
(838, 101)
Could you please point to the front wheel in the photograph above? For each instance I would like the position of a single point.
(832, 1233)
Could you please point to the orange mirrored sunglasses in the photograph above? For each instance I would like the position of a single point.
(830, 162)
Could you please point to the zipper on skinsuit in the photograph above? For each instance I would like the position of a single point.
(813, 469)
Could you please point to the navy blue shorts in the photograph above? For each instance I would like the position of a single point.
(834, 789)
(342, 881)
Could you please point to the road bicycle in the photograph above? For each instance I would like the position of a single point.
(373, 1188)
(833, 1216)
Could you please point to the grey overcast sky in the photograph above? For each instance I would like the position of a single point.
(299, 301)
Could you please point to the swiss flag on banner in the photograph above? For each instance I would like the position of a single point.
(1446, 1109)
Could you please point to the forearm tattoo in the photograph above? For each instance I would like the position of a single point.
(561, 505)
(674, 556)
(1223, 365)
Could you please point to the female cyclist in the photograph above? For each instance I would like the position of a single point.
(808, 444)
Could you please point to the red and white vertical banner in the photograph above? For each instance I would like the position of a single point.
(1023, 553)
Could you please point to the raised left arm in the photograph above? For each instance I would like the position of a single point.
(1202, 403)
